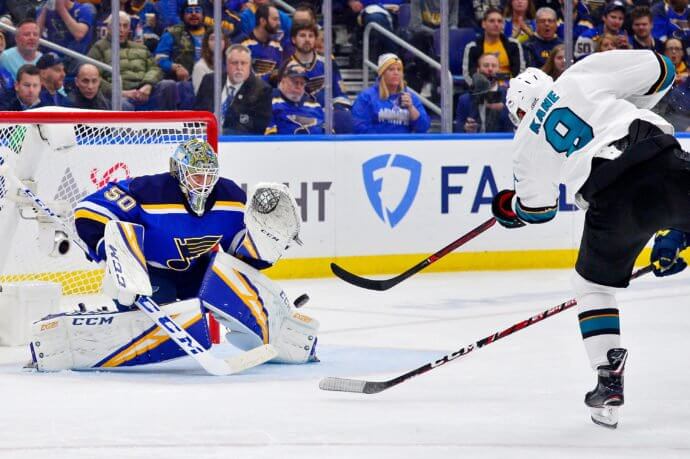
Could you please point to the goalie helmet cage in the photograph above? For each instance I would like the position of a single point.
(65, 155)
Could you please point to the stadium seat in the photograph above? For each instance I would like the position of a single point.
(457, 40)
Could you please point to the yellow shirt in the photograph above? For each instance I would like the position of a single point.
(498, 50)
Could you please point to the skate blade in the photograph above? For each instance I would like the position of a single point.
(606, 416)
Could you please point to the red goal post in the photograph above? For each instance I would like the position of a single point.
(66, 154)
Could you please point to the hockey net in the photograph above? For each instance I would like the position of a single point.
(64, 156)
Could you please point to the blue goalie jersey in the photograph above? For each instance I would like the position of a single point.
(177, 243)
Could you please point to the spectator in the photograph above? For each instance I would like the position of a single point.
(26, 50)
(205, 65)
(641, 18)
(180, 45)
(612, 24)
(509, 51)
(246, 98)
(673, 49)
(671, 20)
(555, 64)
(483, 108)
(383, 13)
(249, 20)
(425, 19)
(27, 88)
(294, 111)
(388, 107)
(69, 24)
(6, 89)
(606, 42)
(519, 19)
(20, 10)
(266, 52)
(141, 77)
(472, 12)
(52, 72)
(304, 40)
(87, 89)
(303, 14)
(3, 42)
(539, 46)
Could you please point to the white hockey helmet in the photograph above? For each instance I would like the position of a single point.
(195, 165)
(524, 92)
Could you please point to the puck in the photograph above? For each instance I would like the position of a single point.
(301, 300)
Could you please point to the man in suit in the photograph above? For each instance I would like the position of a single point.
(245, 98)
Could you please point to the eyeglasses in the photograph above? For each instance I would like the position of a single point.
(194, 9)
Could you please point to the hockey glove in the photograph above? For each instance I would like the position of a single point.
(502, 208)
(666, 250)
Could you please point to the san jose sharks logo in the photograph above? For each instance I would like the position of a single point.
(401, 175)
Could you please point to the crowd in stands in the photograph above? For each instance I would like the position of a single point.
(273, 67)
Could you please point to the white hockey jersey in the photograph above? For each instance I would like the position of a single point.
(586, 109)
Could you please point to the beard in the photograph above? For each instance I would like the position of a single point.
(272, 30)
(306, 48)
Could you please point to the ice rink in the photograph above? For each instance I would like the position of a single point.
(521, 397)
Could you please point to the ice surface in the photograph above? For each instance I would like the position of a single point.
(521, 397)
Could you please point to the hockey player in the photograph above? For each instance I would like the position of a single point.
(592, 130)
(201, 243)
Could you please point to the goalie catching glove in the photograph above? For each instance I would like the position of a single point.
(126, 275)
(272, 221)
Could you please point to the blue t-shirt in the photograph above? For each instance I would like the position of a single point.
(371, 115)
(11, 60)
(57, 31)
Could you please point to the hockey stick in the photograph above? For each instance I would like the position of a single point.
(374, 387)
(213, 365)
(385, 284)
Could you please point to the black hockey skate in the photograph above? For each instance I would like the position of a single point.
(607, 397)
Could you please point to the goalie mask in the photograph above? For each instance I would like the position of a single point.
(195, 166)
(524, 92)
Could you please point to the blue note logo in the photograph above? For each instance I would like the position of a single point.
(401, 174)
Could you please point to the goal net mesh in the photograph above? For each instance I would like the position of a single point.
(65, 159)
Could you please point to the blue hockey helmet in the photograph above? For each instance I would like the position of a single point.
(195, 166)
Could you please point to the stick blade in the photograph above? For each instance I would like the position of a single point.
(342, 384)
(352, 385)
(363, 282)
(251, 359)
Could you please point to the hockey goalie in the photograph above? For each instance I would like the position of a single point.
(189, 240)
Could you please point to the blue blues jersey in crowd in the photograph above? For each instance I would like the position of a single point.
(669, 24)
(537, 50)
(266, 57)
(316, 72)
(587, 42)
(303, 117)
(175, 237)
(371, 115)
(58, 32)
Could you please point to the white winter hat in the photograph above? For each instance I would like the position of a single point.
(386, 60)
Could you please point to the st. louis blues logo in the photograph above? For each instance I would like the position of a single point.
(396, 169)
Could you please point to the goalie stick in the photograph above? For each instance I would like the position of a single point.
(374, 387)
(212, 364)
(385, 284)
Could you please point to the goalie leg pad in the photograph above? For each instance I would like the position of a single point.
(103, 340)
(126, 272)
(256, 310)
